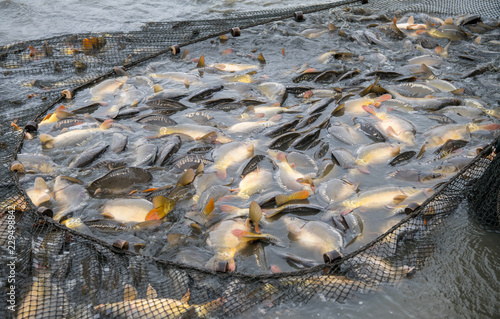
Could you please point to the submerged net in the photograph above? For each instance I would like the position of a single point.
(59, 273)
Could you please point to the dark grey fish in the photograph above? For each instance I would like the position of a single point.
(169, 149)
(348, 75)
(190, 161)
(120, 181)
(204, 94)
(328, 76)
(308, 76)
(126, 113)
(87, 109)
(251, 164)
(283, 141)
(374, 38)
(251, 102)
(450, 146)
(67, 123)
(442, 119)
(201, 150)
(282, 129)
(89, 155)
(307, 141)
(157, 120)
(106, 225)
(385, 75)
(319, 106)
(403, 157)
(230, 106)
(297, 90)
(480, 69)
(146, 155)
(166, 105)
(214, 103)
(322, 150)
(308, 121)
(118, 143)
(368, 128)
(297, 261)
(108, 165)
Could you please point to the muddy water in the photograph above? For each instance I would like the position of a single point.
(461, 280)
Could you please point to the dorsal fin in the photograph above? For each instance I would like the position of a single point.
(186, 297)
(130, 293)
(151, 293)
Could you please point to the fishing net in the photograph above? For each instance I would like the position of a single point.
(50, 271)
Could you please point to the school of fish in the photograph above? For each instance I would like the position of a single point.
(269, 169)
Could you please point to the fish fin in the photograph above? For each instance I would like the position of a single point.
(106, 124)
(383, 98)
(275, 269)
(390, 131)
(159, 201)
(281, 157)
(209, 137)
(275, 118)
(411, 20)
(108, 215)
(47, 140)
(460, 91)
(422, 151)
(261, 58)
(152, 189)
(369, 109)
(130, 293)
(201, 62)
(151, 292)
(186, 178)
(363, 169)
(398, 199)
(186, 297)
(155, 214)
(209, 207)
(221, 173)
(184, 54)
(229, 209)
(40, 184)
(421, 31)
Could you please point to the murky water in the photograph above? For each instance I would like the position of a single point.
(461, 280)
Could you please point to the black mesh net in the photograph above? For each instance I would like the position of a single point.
(55, 272)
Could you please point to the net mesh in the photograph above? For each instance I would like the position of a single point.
(60, 273)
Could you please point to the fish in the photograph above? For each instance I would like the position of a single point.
(40, 193)
(156, 308)
(234, 67)
(315, 235)
(231, 154)
(288, 178)
(69, 197)
(250, 127)
(378, 197)
(336, 190)
(224, 243)
(73, 138)
(168, 150)
(355, 106)
(195, 132)
(136, 210)
(253, 183)
(119, 181)
(346, 134)
(44, 298)
(376, 153)
(89, 155)
(368, 129)
(394, 126)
